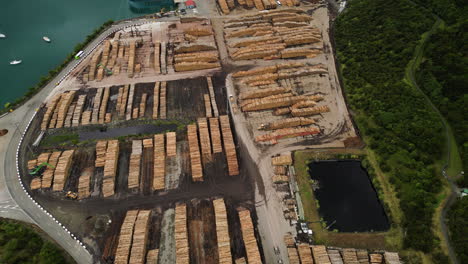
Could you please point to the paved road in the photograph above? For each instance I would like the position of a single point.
(16, 203)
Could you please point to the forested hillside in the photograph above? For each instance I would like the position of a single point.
(20, 244)
(375, 40)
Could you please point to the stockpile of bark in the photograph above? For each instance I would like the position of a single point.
(194, 148)
(83, 183)
(101, 148)
(248, 235)
(287, 132)
(320, 254)
(110, 168)
(140, 238)
(48, 176)
(135, 162)
(229, 146)
(125, 238)
(159, 163)
(204, 139)
(181, 235)
(222, 232)
(62, 170)
(215, 135)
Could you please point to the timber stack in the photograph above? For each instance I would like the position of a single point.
(194, 148)
(222, 232)
(48, 176)
(159, 163)
(215, 135)
(320, 254)
(229, 146)
(62, 170)
(125, 239)
(140, 238)
(101, 148)
(181, 237)
(250, 242)
(110, 168)
(204, 139)
(135, 162)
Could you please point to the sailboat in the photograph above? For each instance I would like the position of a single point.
(46, 39)
(2, 35)
(14, 62)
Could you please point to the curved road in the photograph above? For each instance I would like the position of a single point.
(16, 123)
(410, 71)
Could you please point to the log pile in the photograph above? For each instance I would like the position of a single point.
(131, 93)
(110, 168)
(50, 110)
(194, 148)
(171, 146)
(140, 238)
(125, 238)
(36, 183)
(134, 167)
(362, 256)
(156, 100)
(123, 102)
(194, 66)
(103, 109)
(287, 132)
(86, 118)
(83, 183)
(93, 64)
(204, 139)
(48, 176)
(279, 170)
(131, 59)
(229, 146)
(62, 170)
(282, 160)
(31, 164)
(163, 58)
(335, 256)
(159, 163)
(289, 240)
(157, 59)
(391, 258)
(215, 135)
(222, 232)
(293, 255)
(259, 93)
(143, 105)
(206, 99)
(280, 179)
(78, 110)
(376, 258)
(96, 105)
(320, 254)
(308, 111)
(250, 242)
(181, 235)
(203, 56)
(67, 98)
(68, 118)
(152, 256)
(212, 96)
(349, 256)
(101, 148)
(289, 122)
(162, 101)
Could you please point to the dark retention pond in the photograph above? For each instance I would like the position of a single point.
(347, 196)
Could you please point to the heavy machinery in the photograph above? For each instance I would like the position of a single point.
(38, 170)
(108, 72)
(71, 195)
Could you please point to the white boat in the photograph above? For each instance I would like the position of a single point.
(14, 62)
(2, 35)
(46, 39)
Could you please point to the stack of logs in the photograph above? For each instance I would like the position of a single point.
(194, 149)
(181, 234)
(62, 170)
(135, 162)
(227, 5)
(110, 168)
(222, 232)
(159, 163)
(229, 146)
(250, 242)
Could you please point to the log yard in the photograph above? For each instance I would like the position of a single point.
(173, 140)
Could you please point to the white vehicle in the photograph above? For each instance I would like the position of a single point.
(2, 35)
(78, 55)
(14, 62)
(278, 2)
(46, 39)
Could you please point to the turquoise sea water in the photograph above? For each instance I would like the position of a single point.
(65, 22)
